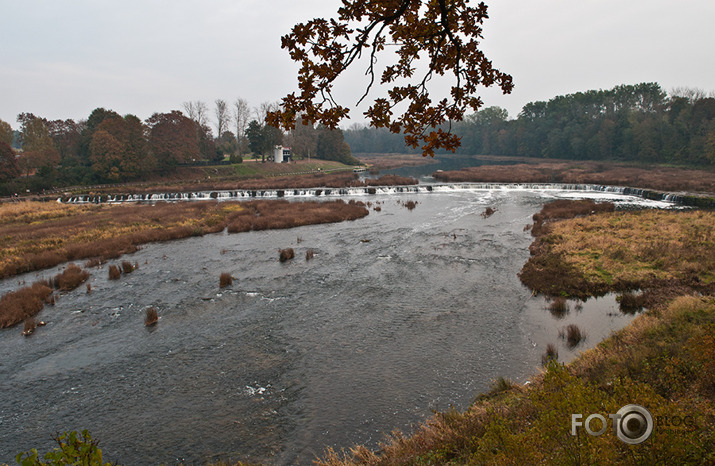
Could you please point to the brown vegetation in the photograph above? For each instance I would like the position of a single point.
(72, 277)
(16, 306)
(309, 254)
(286, 254)
(559, 307)
(584, 172)
(151, 317)
(115, 272)
(226, 279)
(35, 235)
(488, 212)
(128, 267)
(551, 354)
(572, 334)
(266, 215)
(664, 253)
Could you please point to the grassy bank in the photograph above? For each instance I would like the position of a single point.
(664, 360)
(37, 235)
(585, 172)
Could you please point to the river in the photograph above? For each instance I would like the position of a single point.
(399, 313)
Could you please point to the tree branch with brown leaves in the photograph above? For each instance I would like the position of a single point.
(447, 32)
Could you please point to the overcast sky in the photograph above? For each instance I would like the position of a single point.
(62, 59)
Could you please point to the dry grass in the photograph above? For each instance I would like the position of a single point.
(572, 334)
(115, 273)
(582, 172)
(551, 354)
(286, 254)
(36, 235)
(151, 317)
(309, 254)
(559, 307)
(226, 279)
(128, 267)
(72, 277)
(16, 306)
(266, 215)
(621, 251)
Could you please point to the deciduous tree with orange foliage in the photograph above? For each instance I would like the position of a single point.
(445, 32)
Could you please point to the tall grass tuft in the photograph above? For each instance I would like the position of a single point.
(572, 334)
(309, 254)
(128, 267)
(630, 303)
(114, 272)
(559, 307)
(551, 354)
(286, 254)
(151, 317)
(72, 277)
(17, 306)
(226, 279)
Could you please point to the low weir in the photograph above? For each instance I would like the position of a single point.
(682, 199)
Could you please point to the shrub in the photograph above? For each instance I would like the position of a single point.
(410, 205)
(151, 317)
(74, 448)
(114, 272)
(309, 254)
(286, 254)
(225, 280)
(72, 277)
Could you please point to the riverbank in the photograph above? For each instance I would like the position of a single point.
(660, 178)
(39, 235)
(663, 360)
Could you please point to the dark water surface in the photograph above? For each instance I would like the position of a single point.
(398, 313)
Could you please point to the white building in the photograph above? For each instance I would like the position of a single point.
(282, 154)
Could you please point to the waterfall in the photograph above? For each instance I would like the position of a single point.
(306, 193)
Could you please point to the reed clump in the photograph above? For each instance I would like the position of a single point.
(488, 212)
(151, 317)
(128, 267)
(72, 277)
(115, 273)
(225, 279)
(559, 307)
(551, 354)
(16, 306)
(286, 254)
(573, 335)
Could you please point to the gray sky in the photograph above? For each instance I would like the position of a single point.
(63, 58)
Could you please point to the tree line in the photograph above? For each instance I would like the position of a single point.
(640, 123)
(111, 148)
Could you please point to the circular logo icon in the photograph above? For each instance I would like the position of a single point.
(634, 425)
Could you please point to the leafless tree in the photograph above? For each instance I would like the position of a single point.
(197, 111)
(241, 115)
(223, 117)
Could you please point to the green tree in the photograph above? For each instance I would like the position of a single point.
(332, 146)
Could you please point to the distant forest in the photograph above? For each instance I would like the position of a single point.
(111, 148)
(639, 123)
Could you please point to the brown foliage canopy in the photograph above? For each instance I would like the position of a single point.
(447, 32)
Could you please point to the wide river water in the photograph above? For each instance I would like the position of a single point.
(399, 313)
